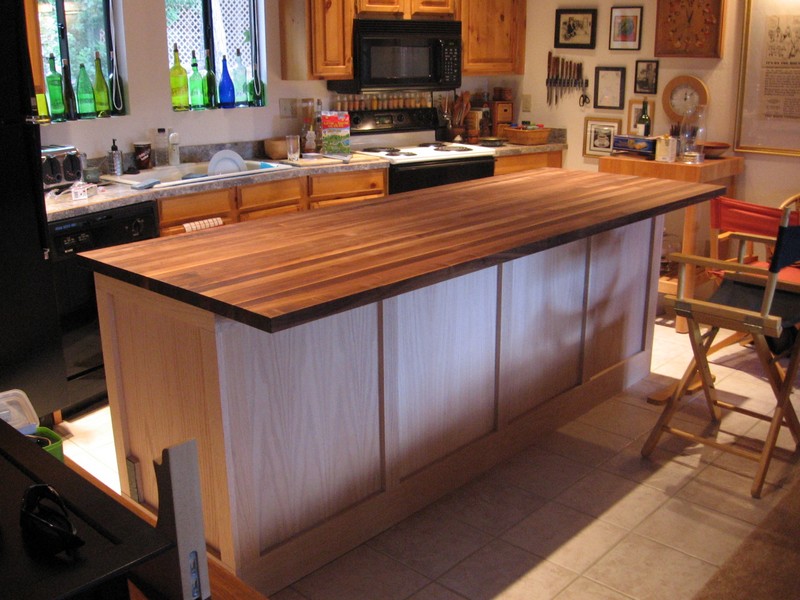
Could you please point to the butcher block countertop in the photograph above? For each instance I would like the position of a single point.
(279, 272)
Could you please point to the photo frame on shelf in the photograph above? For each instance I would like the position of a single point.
(576, 28)
(609, 87)
(646, 81)
(768, 116)
(689, 28)
(598, 135)
(625, 31)
(635, 110)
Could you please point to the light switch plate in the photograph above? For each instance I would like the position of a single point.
(526, 103)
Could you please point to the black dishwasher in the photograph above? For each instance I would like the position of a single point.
(75, 294)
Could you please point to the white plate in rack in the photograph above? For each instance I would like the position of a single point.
(226, 161)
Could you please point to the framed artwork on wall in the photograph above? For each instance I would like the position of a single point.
(625, 32)
(635, 110)
(609, 87)
(598, 135)
(646, 81)
(576, 28)
(689, 28)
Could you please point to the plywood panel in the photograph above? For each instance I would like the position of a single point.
(440, 368)
(541, 336)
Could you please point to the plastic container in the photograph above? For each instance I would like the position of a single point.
(16, 410)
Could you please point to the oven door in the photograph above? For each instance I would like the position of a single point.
(414, 176)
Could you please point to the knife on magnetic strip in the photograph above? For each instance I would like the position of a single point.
(548, 81)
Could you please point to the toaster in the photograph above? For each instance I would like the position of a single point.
(61, 166)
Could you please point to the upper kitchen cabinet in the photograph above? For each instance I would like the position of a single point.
(493, 34)
(316, 39)
(406, 8)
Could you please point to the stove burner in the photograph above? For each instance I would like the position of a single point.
(453, 148)
(396, 152)
(432, 144)
(381, 149)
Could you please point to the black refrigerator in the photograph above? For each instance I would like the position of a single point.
(31, 356)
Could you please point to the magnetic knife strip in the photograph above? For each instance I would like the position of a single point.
(564, 76)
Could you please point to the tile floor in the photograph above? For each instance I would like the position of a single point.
(578, 515)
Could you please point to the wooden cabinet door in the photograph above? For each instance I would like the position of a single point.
(523, 162)
(381, 6)
(493, 32)
(407, 8)
(272, 198)
(341, 188)
(174, 212)
(433, 7)
(331, 39)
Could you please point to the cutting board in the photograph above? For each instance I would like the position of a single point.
(324, 162)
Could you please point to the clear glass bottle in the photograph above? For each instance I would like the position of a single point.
(210, 83)
(54, 90)
(239, 76)
(85, 95)
(179, 82)
(101, 98)
(227, 96)
(197, 100)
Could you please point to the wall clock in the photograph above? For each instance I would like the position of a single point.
(681, 94)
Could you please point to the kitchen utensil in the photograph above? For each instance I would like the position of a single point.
(549, 80)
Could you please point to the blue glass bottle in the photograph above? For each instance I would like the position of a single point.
(227, 95)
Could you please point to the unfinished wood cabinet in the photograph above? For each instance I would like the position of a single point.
(175, 212)
(271, 198)
(343, 188)
(523, 162)
(493, 35)
(406, 8)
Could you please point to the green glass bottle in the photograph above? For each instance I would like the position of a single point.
(86, 105)
(210, 83)
(54, 85)
(115, 87)
(101, 100)
(179, 82)
(255, 89)
(68, 92)
(196, 99)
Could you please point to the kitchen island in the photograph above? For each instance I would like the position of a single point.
(342, 369)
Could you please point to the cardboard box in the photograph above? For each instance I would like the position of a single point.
(635, 144)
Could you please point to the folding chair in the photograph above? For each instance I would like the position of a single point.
(752, 300)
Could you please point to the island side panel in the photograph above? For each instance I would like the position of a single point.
(541, 341)
(302, 419)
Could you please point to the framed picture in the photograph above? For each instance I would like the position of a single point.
(576, 28)
(609, 87)
(768, 113)
(646, 77)
(635, 110)
(598, 135)
(689, 28)
(625, 32)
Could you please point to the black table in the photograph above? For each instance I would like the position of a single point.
(116, 539)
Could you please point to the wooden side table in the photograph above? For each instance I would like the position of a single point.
(721, 171)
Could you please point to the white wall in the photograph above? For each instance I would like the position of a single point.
(767, 179)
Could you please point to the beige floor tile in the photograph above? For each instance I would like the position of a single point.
(621, 418)
(613, 499)
(586, 589)
(695, 530)
(583, 443)
(661, 469)
(362, 574)
(542, 473)
(500, 571)
(647, 570)
(430, 541)
(436, 592)
(565, 536)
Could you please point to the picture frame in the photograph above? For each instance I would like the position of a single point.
(689, 28)
(625, 31)
(576, 28)
(635, 109)
(767, 116)
(598, 135)
(646, 78)
(609, 87)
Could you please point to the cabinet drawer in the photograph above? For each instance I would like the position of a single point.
(194, 207)
(273, 194)
(261, 213)
(353, 184)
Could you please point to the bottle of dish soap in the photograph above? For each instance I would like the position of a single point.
(115, 159)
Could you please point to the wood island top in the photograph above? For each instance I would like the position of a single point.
(278, 272)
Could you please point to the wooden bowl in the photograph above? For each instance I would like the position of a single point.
(275, 148)
(715, 149)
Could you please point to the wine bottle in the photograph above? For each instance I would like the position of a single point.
(255, 89)
(179, 82)
(210, 83)
(115, 87)
(227, 97)
(86, 105)
(54, 84)
(196, 99)
(239, 79)
(643, 122)
(68, 92)
(101, 101)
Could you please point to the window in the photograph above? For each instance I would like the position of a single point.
(74, 30)
(222, 27)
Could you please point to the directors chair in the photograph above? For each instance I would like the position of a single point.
(752, 300)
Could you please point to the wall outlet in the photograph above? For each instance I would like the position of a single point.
(288, 108)
(526, 103)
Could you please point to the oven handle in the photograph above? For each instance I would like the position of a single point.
(437, 164)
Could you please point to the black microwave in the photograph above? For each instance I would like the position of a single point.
(403, 55)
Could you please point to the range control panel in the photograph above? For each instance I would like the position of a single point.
(401, 119)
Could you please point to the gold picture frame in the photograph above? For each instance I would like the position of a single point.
(598, 135)
(689, 28)
(635, 109)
